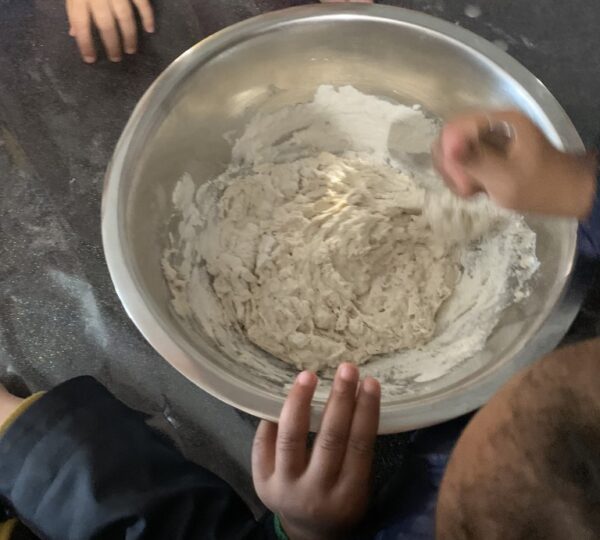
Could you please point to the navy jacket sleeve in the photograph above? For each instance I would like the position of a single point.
(413, 513)
(78, 464)
(588, 237)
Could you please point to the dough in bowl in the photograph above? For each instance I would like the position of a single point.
(319, 247)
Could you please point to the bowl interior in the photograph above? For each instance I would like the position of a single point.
(263, 67)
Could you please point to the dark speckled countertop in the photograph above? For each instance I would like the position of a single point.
(59, 122)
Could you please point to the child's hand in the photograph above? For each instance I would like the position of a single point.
(528, 174)
(319, 494)
(115, 21)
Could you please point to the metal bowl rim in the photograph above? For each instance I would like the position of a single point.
(214, 379)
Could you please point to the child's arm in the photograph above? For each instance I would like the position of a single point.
(78, 464)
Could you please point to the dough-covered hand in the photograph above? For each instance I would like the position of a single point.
(319, 494)
(115, 20)
(525, 173)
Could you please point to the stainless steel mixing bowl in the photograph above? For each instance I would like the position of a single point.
(279, 59)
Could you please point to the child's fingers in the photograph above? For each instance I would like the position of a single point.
(361, 442)
(146, 13)
(263, 451)
(105, 21)
(80, 20)
(440, 166)
(123, 12)
(489, 165)
(294, 422)
(330, 444)
(457, 145)
(69, 6)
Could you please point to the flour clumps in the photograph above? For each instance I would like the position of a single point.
(326, 259)
(319, 246)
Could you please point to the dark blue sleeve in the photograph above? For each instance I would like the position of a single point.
(588, 237)
(78, 464)
(428, 455)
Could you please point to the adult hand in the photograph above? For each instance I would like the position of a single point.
(115, 20)
(319, 494)
(525, 173)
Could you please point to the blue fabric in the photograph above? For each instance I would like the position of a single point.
(428, 456)
(588, 237)
(80, 465)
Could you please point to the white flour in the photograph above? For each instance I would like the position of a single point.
(321, 244)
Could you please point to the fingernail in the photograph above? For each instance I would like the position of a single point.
(371, 386)
(89, 59)
(151, 29)
(130, 50)
(347, 372)
(305, 378)
(115, 58)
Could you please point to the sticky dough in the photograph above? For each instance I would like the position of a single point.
(328, 237)
(327, 259)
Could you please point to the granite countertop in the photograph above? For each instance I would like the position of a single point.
(59, 122)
